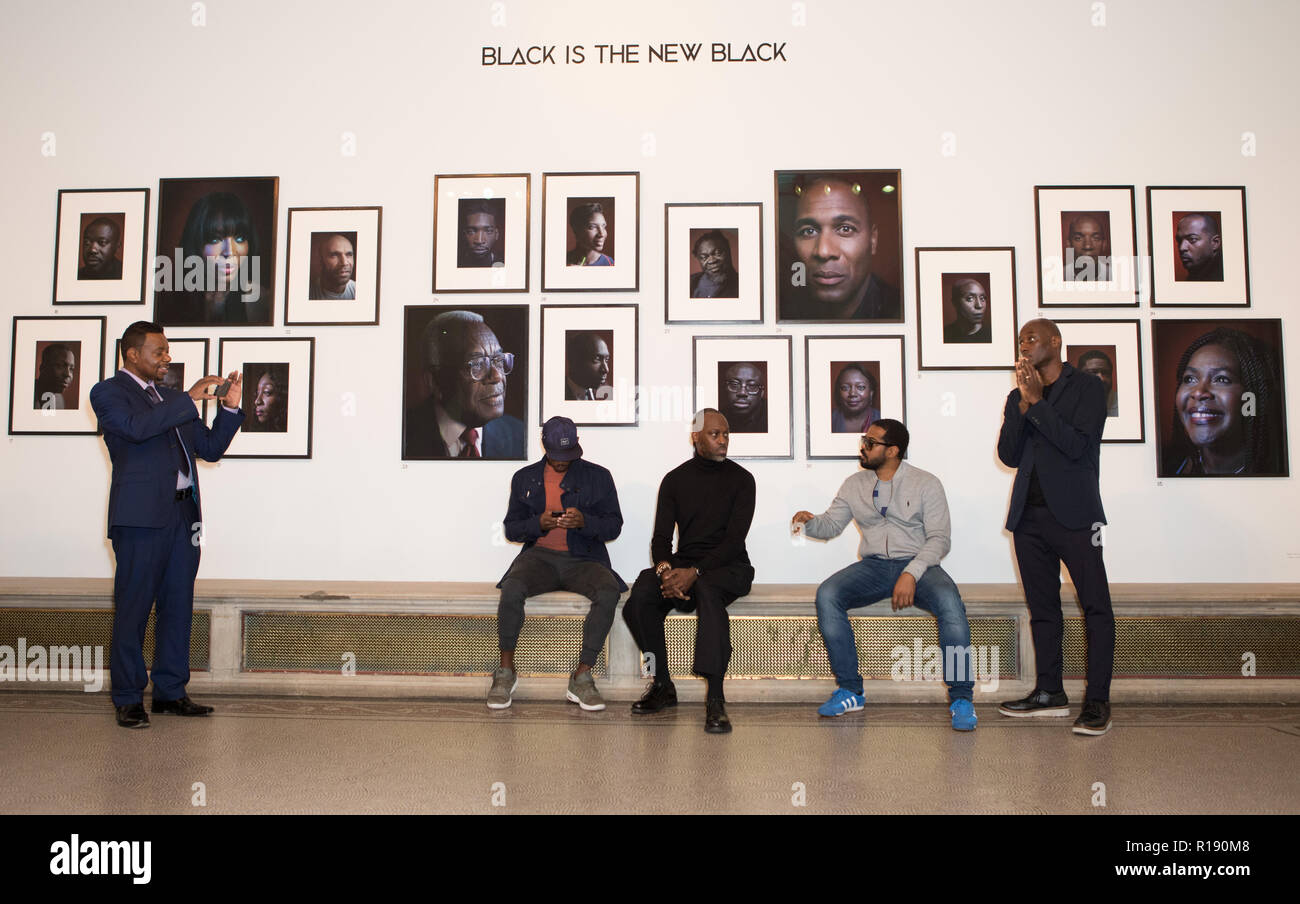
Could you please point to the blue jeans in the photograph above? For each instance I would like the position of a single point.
(869, 580)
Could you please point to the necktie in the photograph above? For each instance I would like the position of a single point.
(470, 437)
(180, 446)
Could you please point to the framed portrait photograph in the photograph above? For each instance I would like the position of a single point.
(278, 394)
(332, 267)
(481, 233)
(54, 362)
(189, 363)
(1087, 245)
(465, 382)
(852, 382)
(839, 250)
(749, 379)
(1197, 238)
(214, 260)
(591, 237)
(590, 368)
(1110, 350)
(1220, 398)
(100, 246)
(966, 308)
(713, 263)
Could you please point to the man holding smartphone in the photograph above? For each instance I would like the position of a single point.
(564, 510)
(154, 437)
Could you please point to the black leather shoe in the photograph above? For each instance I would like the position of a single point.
(715, 717)
(182, 707)
(1039, 703)
(132, 716)
(1095, 718)
(656, 697)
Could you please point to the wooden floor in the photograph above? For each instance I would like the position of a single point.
(63, 753)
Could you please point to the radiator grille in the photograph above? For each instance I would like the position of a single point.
(91, 628)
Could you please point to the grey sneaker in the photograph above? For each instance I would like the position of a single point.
(504, 682)
(582, 691)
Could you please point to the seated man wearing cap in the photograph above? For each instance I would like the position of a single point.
(564, 510)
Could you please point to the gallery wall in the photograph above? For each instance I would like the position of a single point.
(974, 103)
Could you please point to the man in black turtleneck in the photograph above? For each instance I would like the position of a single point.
(710, 501)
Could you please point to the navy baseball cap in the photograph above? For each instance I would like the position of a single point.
(560, 439)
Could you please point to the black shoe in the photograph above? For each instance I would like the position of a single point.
(182, 707)
(656, 697)
(715, 717)
(1039, 703)
(132, 716)
(1095, 718)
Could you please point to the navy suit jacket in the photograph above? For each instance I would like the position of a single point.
(142, 445)
(1061, 437)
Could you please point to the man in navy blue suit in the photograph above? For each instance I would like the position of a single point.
(154, 435)
(1051, 435)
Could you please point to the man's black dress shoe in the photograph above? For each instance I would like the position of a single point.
(1095, 718)
(656, 697)
(182, 707)
(1039, 703)
(715, 717)
(132, 716)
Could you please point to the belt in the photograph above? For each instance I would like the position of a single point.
(187, 493)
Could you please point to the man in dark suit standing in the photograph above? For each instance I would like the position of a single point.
(154, 435)
(1051, 435)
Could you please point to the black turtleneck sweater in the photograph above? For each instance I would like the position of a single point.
(712, 505)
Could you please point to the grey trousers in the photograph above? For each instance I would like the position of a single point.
(538, 570)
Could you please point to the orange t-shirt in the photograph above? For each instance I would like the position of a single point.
(556, 538)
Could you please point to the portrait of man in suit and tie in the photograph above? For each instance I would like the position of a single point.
(155, 437)
(463, 370)
(587, 364)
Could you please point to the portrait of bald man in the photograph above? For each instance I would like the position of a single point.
(1200, 248)
(101, 247)
(333, 265)
(830, 232)
(1086, 250)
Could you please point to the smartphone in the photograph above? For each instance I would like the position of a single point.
(220, 391)
(557, 514)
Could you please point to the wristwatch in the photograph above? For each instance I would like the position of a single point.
(662, 567)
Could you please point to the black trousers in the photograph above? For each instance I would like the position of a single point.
(1042, 544)
(646, 609)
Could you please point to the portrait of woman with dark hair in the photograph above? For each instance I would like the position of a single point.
(267, 398)
(1227, 417)
(854, 400)
(219, 234)
(590, 232)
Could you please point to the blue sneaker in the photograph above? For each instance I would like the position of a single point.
(841, 702)
(963, 715)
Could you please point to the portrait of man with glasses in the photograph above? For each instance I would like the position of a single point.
(742, 395)
(464, 371)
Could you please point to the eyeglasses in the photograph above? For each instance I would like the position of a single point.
(478, 367)
(868, 443)
(750, 386)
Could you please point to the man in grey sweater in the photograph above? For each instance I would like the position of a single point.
(902, 513)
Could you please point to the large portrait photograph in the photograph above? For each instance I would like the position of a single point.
(332, 266)
(214, 260)
(100, 246)
(749, 380)
(591, 232)
(1197, 238)
(1087, 245)
(966, 308)
(1111, 351)
(713, 263)
(1220, 398)
(851, 382)
(589, 364)
(278, 387)
(465, 382)
(481, 233)
(54, 363)
(839, 246)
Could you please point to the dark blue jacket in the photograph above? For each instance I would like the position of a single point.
(587, 487)
(1061, 437)
(142, 446)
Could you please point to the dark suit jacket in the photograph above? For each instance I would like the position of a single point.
(730, 287)
(1061, 437)
(503, 437)
(142, 446)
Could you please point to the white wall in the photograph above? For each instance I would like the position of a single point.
(1035, 93)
